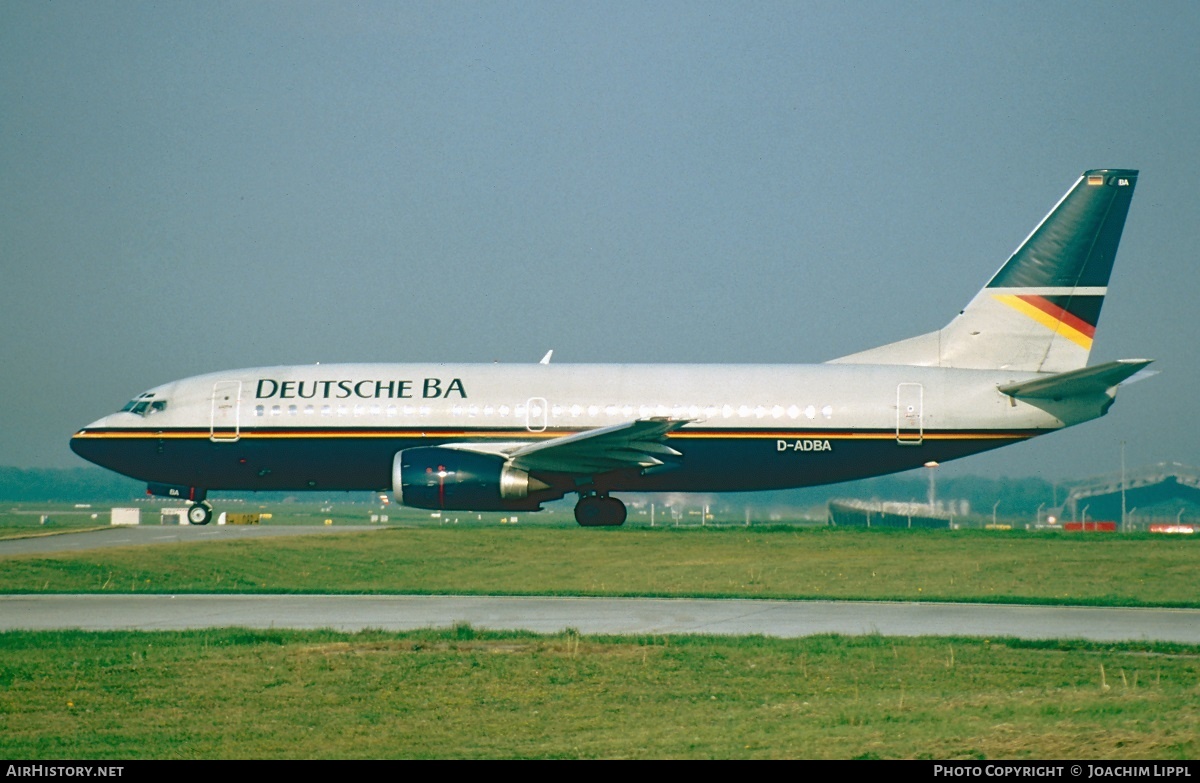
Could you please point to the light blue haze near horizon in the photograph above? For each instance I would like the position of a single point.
(190, 187)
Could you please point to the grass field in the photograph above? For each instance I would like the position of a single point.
(465, 694)
(754, 562)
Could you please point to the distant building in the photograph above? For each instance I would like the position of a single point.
(1167, 491)
(862, 513)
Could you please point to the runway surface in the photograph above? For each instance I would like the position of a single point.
(596, 616)
(546, 614)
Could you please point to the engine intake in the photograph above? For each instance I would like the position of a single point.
(455, 480)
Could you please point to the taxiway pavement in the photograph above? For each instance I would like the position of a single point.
(549, 614)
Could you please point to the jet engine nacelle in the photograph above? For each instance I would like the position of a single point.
(457, 480)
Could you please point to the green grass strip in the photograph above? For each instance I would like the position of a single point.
(780, 562)
(463, 693)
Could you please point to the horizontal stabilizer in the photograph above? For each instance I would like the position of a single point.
(1076, 383)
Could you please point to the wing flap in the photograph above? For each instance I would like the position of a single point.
(635, 444)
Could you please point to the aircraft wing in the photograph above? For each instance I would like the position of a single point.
(634, 444)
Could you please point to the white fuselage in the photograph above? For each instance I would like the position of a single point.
(748, 426)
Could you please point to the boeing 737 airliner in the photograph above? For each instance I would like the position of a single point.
(1010, 366)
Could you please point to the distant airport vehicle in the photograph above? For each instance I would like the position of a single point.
(497, 437)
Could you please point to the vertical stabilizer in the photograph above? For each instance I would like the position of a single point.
(1039, 312)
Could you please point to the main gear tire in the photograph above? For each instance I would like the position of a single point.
(600, 511)
(200, 514)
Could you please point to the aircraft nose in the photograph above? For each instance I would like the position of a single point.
(98, 424)
(83, 444)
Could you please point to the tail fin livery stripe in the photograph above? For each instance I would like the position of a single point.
(1062, 315)
(1084, 304)
(1052, 317)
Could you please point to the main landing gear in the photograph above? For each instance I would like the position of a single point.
(599, 511)
(200, 513)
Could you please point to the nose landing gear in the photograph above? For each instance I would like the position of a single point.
(599, 511)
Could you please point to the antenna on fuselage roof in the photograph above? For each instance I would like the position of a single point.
(546, 358)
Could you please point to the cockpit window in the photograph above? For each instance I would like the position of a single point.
(144, 405)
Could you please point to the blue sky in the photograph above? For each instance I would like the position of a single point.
(189, 187)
